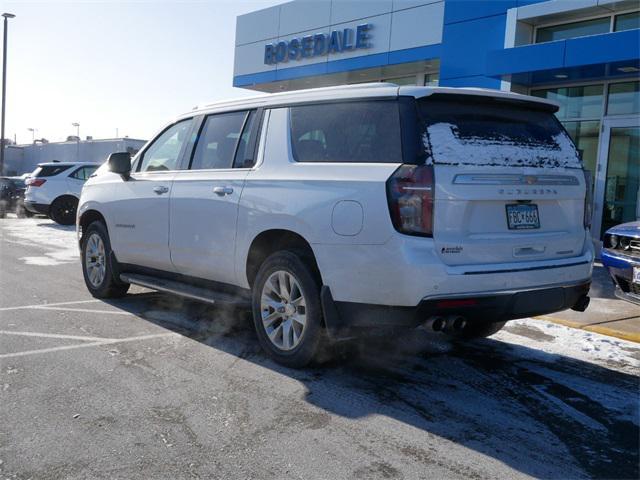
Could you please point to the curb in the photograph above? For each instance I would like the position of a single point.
(601, 329)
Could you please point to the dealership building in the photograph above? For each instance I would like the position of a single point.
(584, 54)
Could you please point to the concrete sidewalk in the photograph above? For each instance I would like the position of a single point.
(606, 314)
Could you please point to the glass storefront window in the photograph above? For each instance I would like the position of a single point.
(573, 30)
(627, 21)
(624, 98)
(575, 102)
(409, 80)
(623, 177)
(585, 135)
(431, 80)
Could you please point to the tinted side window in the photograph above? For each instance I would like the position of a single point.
(49, 170)
(217, 141)
(354, 132)
(245, 151)
(163, 154)
(83, 173)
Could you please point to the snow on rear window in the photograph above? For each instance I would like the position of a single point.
(494, 133)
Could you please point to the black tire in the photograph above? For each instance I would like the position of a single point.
(3, 208)
(479, 330)
(110, 286)
(63, 210)
(312, 335)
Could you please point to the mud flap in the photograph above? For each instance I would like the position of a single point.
(336, 329)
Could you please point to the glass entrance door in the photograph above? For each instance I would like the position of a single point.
(618, 174)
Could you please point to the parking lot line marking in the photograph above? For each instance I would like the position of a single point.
(85, 345)
(22, 307)
(84, 310)
(56, 335)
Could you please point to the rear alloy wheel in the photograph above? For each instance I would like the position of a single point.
(97, 267)
(283, 310)
(286, 309)
(63, 210)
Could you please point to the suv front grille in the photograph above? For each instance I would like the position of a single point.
(628, 246)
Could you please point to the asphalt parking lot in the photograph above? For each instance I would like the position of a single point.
(152, 386)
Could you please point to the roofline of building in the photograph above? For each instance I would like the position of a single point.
(73, 142)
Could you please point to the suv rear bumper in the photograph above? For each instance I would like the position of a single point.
(40, 208)
(405, 270)
(347, 319)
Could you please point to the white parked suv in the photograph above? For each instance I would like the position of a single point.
(341, 211)
(53, 189)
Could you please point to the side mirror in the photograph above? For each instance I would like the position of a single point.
(120, 163)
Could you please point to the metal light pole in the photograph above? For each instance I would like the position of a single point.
(6, 16)
(77, 125)
(33, 134)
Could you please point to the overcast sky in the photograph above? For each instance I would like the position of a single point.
(129, 65)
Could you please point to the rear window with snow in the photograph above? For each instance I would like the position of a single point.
(467, 131)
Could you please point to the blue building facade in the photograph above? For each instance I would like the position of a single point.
(585, 54)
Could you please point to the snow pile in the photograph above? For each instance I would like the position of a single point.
(446, 146)
(57, 243)
(579, 344)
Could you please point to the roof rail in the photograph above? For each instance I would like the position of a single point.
(295, 92)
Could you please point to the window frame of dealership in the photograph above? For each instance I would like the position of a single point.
(466, 43)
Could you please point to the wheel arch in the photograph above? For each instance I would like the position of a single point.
(270, 241)
(87, 218)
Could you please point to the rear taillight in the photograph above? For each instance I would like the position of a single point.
(410, 193)
(588, 199)
(35, 182)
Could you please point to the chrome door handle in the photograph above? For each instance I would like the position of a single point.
(160, 189)
(223, 191)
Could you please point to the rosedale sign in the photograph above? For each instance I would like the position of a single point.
(309, 46)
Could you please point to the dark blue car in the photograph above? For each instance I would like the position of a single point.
(621, 256)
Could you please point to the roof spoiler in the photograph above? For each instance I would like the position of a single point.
(422, 92)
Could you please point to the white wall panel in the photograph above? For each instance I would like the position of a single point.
(404, 4)
(256, 26)
(250, 58)
(304, 15)
(345, 10)
(416, 27)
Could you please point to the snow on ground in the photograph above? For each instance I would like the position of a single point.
(56, 243)
(570, 342)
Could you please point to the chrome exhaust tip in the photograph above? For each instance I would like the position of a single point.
(455, 323)
(435, 324)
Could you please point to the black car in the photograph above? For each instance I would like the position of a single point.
(12, 191)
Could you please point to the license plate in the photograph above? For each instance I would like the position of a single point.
(522, 216)
(636, 275)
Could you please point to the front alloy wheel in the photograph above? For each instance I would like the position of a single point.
(98, 263)
(94, 260)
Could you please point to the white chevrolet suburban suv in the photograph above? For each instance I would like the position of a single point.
(340, 211)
